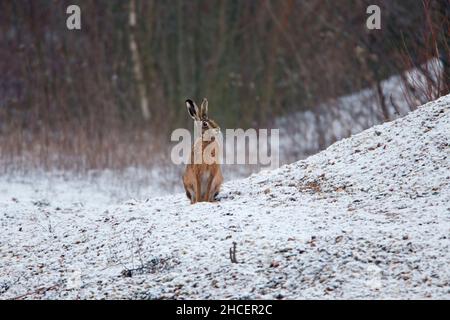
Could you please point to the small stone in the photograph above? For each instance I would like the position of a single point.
(215, 283)
(274, 264)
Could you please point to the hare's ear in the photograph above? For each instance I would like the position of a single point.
(192, 109)
(204, 109)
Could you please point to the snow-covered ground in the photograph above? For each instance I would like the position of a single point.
(369, 217)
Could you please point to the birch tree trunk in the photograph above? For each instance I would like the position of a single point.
(136, 59)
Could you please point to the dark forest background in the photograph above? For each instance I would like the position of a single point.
(108, 95)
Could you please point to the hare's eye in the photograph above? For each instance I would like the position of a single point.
(205, 124)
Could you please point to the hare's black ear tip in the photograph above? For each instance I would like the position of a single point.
(189, 101)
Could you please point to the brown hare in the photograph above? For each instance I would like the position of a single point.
(203, 177)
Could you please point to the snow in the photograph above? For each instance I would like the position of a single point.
(339, 118)
(369, 217)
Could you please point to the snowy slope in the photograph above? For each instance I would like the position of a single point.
(367, 218)
(350, 114)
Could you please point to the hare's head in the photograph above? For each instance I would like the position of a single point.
(200, 116)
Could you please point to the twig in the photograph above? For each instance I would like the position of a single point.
(233, 253)
(37, 291)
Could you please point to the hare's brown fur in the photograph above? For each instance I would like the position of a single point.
(202, 181)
